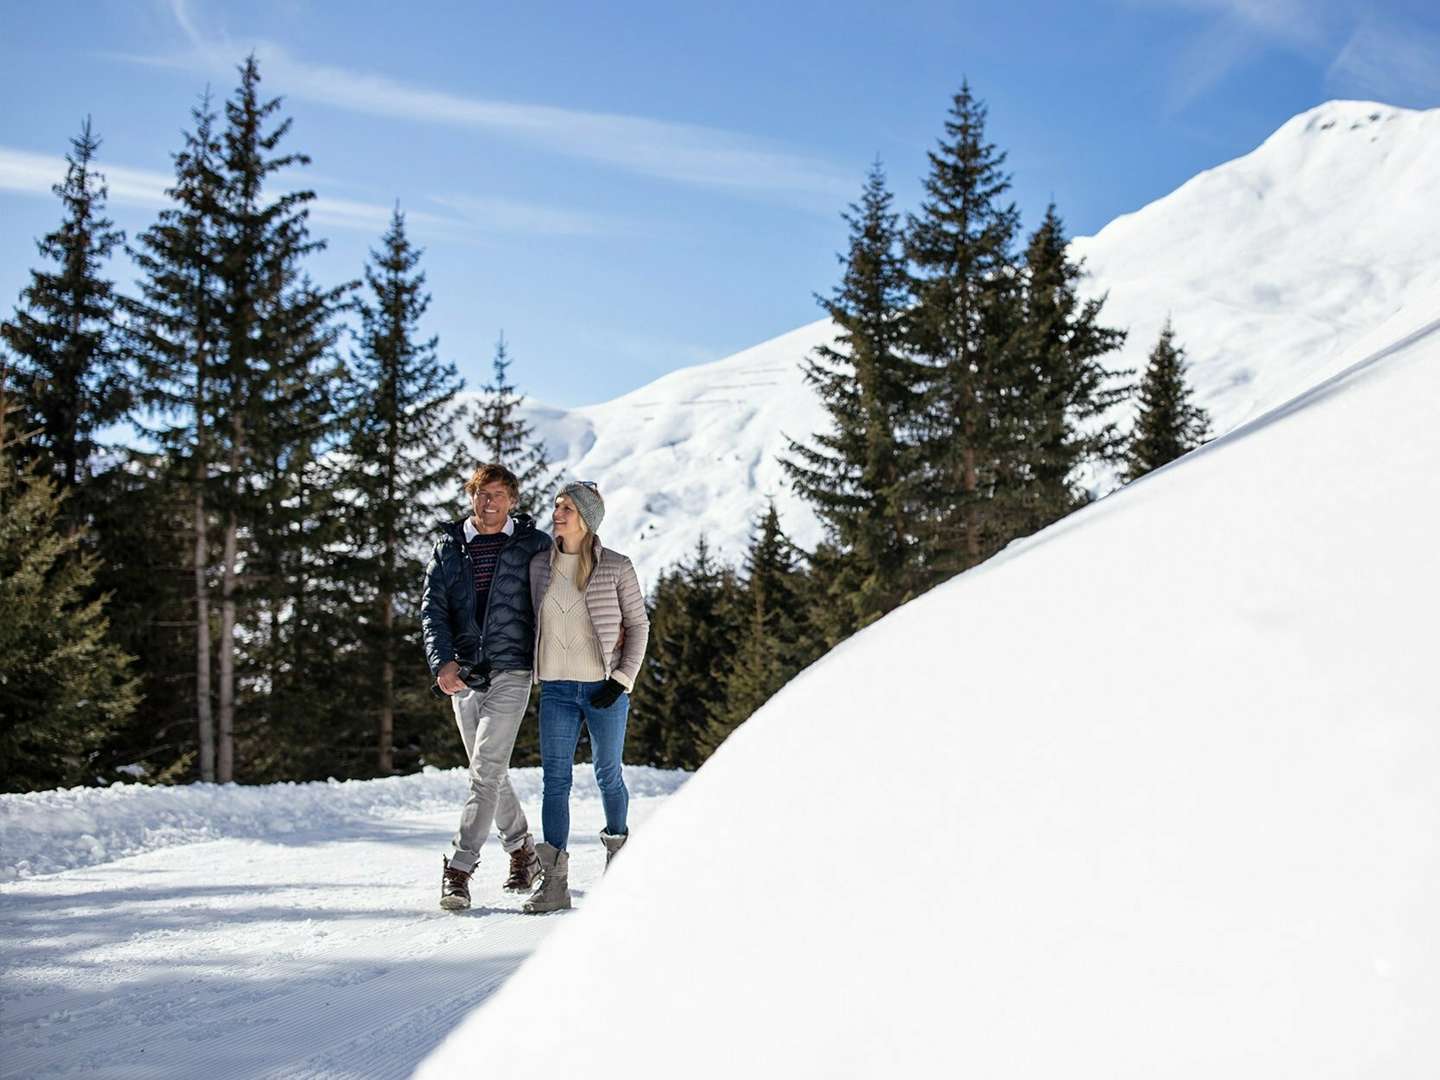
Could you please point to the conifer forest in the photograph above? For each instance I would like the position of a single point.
(219, 481)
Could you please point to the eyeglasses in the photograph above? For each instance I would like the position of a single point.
(590, 484)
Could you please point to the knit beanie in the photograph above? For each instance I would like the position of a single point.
(588, 501)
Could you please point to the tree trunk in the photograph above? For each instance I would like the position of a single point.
(225, 758)
(203, 714)
(385, 757)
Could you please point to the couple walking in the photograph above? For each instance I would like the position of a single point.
(503, 608)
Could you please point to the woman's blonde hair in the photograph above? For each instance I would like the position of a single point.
(586, 566)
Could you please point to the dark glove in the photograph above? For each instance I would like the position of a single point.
(607, 695)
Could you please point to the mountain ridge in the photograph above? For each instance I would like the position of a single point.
(1270, 265)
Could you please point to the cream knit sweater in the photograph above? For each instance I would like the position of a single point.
(568, 648)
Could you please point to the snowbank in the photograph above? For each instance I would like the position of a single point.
(48, 831)
(1168, 804)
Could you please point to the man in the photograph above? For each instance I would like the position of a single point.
(479, 629)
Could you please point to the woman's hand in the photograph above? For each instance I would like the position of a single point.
(607, 695)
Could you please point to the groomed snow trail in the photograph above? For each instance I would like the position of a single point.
(312, 953)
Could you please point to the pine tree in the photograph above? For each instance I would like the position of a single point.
(508, 438)
(965, 324)
(270, 374)
(1168, 422)
(63, 685)
(403, 460)
(177, 339)
(1066, 394)
(69, 371)
(861, 476)
(695, 617)
(775, 640)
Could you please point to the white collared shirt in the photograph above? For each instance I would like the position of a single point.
(471, 531)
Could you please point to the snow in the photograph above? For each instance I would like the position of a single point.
(1272, 267)
(289, 930)
(1152, 793)
(48, 831)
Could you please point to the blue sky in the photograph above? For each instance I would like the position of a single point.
(625, 189)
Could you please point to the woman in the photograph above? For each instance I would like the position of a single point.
(591, 631)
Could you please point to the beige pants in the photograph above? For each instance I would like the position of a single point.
(488, 725)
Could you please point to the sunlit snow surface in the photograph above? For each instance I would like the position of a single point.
(1152, 793)
(290, 930)
(1272, 266)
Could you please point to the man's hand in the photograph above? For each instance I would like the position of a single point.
(448, 679)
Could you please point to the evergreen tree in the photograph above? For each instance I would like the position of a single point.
(965, 324)
(508, 438)
(69, 370)
(140, 522)
(270, 381)
(861, 476)
(63, 685)
(695, 618)
(1168, 422)
(177, 339)
(775, 638)
(1066, 393)
(403, 459)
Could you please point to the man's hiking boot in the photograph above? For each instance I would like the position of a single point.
(454, 888)
(524, 868)
(612, 844)
(554, 891)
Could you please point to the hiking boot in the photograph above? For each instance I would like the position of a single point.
(454, 888)
(612, 844)
(524, 868)
(554, 891)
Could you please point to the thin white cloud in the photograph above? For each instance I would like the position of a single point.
(1237, 32)
(1389, 62)
(1300, 23)
(27, 173)
(682, 152)
(35, 174)
(501, 215)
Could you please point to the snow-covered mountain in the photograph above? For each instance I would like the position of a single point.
(1271, 266)
(1151, 793)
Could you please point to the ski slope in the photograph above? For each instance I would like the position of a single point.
(1151, 793)
(291, 930)
(1272, 267)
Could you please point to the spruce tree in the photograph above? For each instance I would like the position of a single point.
(270, 377)
(775, 638)
(403, 459)
(1066, 394)
(965, 324)
(69, 372)
(696, 611)
(63, 685)
(177, 338)
(506, 437)
(1168, 423)
(862, 475)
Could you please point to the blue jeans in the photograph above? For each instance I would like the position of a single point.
(564, 706)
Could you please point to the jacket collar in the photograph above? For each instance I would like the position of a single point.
(462, 530)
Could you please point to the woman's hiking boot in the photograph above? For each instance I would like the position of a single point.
(554, 891)
(524, 868)
(612, 844)
(454, 888)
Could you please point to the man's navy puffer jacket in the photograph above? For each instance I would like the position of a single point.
(503, 636)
